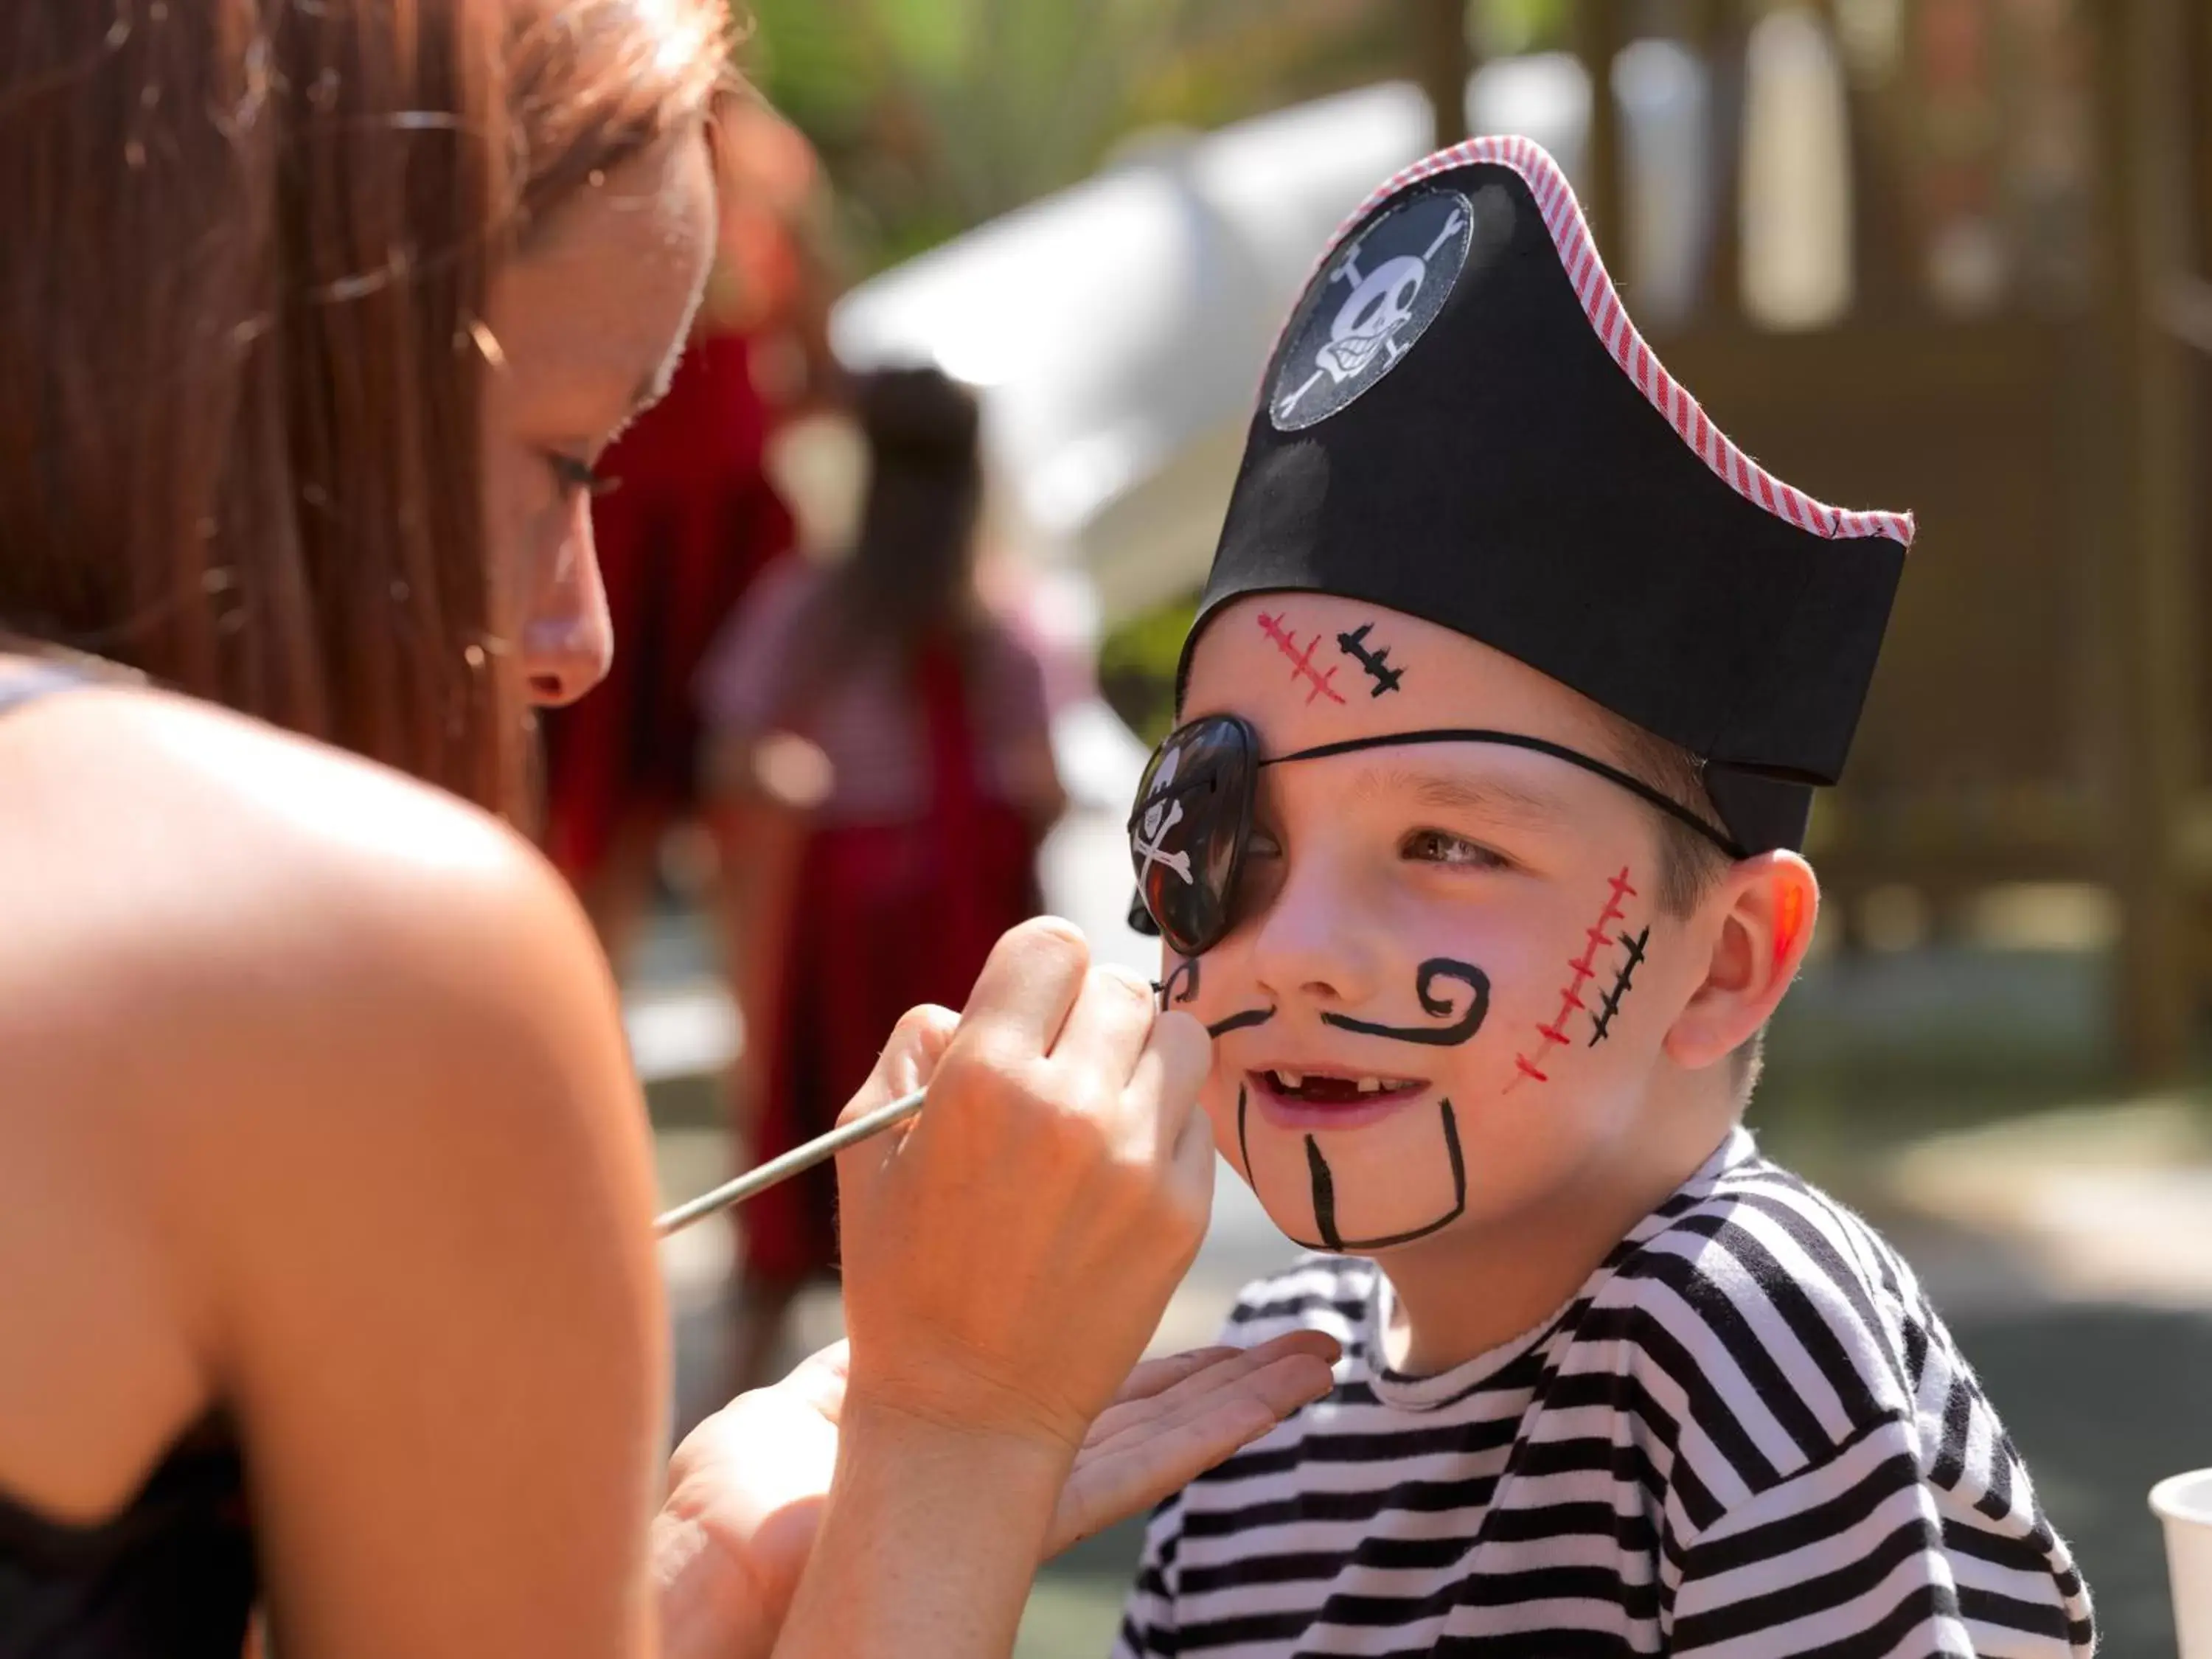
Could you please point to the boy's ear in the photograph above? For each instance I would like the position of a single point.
(1759, 923)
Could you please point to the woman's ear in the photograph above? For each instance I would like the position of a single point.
(1760, 922)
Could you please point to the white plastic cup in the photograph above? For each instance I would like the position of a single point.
(2184, 1502)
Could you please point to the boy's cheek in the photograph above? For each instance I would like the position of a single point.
(1217, 1099)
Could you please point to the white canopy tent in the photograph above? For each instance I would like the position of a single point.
(1119, 328)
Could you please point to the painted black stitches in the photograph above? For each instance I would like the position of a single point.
(1375, 662)
(1634, 944)
(1468, 1022)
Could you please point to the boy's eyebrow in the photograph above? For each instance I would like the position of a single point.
(1498, 796)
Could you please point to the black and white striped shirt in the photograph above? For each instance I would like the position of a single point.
(1748, 1436)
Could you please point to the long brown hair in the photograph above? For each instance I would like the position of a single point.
(246, 249)
(909, 578)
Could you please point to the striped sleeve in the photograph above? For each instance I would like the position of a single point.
(1148, 1623)
(1851, 1558)
(1843, 1559)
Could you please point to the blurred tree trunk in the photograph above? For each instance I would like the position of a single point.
(1886, 280)
(2148, 659)
(1719, 35)
(1443, 59)
(1601, 30)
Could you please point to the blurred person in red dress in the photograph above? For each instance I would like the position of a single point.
(880, 776)
(690, 517)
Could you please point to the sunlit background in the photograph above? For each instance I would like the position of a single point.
(1947, 255)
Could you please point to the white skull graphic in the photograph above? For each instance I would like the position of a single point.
(1161, 816)
(1379, 304)
(1171, 763)
(1364, 337)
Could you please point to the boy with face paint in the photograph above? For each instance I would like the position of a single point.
(1476, 851)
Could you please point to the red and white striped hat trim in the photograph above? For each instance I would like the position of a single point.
(1563, 216)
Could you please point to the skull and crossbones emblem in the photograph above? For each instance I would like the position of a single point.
(1160, 817)
(1378, 310)
(1379, 304)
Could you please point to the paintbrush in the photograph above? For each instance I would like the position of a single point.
(777, 1170)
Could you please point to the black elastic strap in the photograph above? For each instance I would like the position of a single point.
(1629, 781)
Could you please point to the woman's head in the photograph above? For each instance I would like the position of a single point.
(912, 570)
(311, 320)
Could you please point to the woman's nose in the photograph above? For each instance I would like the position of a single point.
(568, 637)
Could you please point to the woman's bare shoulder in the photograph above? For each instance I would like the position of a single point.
(283, 919)
(209, 823)
(294, 1031)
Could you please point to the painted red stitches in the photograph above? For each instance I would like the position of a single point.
(1584, 969)
(1301, 662)
(1601, 301)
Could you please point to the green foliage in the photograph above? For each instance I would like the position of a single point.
(1137, 666)
(935, 115)
(1504, 28)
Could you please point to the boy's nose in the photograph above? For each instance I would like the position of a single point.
(1313, 943)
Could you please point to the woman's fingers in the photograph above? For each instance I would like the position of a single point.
(1005, 1261)
(1108, 1031)
(910, 1057)
(917, 1045)
(1161, 1096)
(1181, 1434)
(1031, 980)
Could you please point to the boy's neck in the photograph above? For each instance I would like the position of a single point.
(1473, 1288)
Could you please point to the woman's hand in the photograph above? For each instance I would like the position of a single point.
(1009, 1255)
(748, 1485)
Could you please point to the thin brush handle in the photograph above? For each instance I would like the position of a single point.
(777, 1170)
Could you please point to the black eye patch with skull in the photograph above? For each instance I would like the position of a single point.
(1382, 290)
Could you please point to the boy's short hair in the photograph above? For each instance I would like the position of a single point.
(1689, 865)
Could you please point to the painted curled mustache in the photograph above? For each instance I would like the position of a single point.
(1239, 1022)
(1468, 1022)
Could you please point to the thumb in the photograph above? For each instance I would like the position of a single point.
(908, 1061)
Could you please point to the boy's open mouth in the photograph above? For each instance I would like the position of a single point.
(1333, 1088)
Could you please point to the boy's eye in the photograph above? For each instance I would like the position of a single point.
(1442, 846)
(1260, 874)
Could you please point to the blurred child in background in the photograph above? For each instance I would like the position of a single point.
(880, 775)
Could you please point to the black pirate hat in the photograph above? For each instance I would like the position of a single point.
(1461, 423)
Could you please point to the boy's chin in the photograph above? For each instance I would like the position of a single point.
(1362, 1191)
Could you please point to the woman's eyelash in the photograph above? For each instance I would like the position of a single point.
(579, 478)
